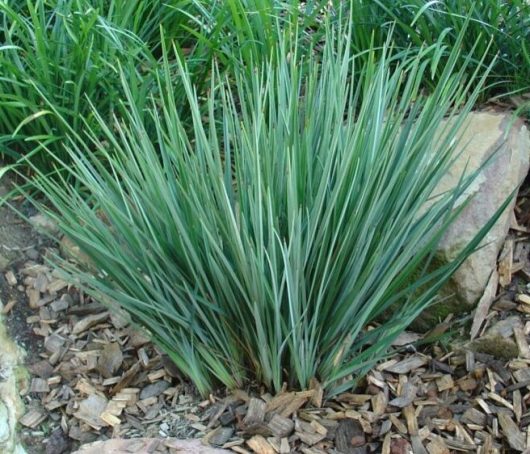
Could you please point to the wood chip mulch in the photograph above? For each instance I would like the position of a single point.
(98, 378)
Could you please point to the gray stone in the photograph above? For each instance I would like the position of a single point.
(154, 389)
(44, 224)
(507, 142)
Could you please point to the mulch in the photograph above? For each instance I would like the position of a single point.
(98, 378)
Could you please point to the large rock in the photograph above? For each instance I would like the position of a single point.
(508, 140)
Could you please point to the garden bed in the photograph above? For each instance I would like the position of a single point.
(94, 377)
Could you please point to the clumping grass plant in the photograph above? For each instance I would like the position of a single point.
(267, 243)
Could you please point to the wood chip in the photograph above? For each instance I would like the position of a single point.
(349, 435)
(32, 418)
(281, 427)
(522, 344)
(39, 385)
(90, 410)
(110, 359)
(445, 382)
(473, 416)
(523, 298)
(408, 394)
(437, 446)
(412, 423)
(514, 436)
(255, 413)
(11, 278)
(7, 308)
(408, 364)
(88, 322)
(260, 445)
(484, 304)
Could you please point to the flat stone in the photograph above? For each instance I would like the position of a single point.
(154, 389)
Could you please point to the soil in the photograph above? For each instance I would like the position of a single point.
(18, 243)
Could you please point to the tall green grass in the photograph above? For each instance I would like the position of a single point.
(266, 243)
(57, 54)
(54, 55)
(498, 30)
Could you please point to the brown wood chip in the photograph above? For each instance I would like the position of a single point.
(260, 445)
(408, 364)
(514, 436)
(88, 322)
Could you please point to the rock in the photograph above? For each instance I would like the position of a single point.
(44, 224)
(486, 133)
(144, 445)
(154, 389)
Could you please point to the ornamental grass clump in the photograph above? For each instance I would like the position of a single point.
(267, 244)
